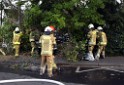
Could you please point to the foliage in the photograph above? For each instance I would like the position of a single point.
(113, 15)
(25, 44)
(74, 16)
(6, 35)
(63, 13)
(32, 17)
(5, 31)
(73, 50)
(70, 51)
(70, 15)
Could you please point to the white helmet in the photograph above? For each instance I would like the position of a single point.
(90, 26)
(48, 28)
(17, 29)
(99, 28)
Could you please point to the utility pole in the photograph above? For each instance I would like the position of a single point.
(1, 3)
(19, 16)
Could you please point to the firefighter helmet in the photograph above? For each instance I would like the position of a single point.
(90, 26)
(48, 28)
(99, 28)
(17, 29)
(52, 28)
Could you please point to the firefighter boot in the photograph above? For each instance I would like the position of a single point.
(103, 54)
(42, 70)
(97, 56)
(50, 74)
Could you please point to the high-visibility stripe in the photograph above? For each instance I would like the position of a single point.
(31, 40)
(16, 42)
(103, 43)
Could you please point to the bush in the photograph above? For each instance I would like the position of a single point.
(25, 44)
(6, 32)
(73, 50)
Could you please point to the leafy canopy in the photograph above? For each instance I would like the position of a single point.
(65, 13)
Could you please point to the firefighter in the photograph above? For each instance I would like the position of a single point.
(55, 46)
(32, 41)
(16, 40)
(91, 37)
(52, 30)
(102, 42)
(47, 58)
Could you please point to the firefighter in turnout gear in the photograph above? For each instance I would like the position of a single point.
(47, 58)
(91, 37)
(54, 46)
(32, 41)
(16, 40)
(102, 42)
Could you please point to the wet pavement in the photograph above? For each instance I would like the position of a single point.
(108, 71)
(7, 74)
(27, 62)
(115, 62)
(66, 76)
(13, 76)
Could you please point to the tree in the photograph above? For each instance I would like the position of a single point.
(113, 15)
(68, 13)
(74, 16)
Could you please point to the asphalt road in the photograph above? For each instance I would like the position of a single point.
(13, 76)
(98, 77)
(112, 74)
